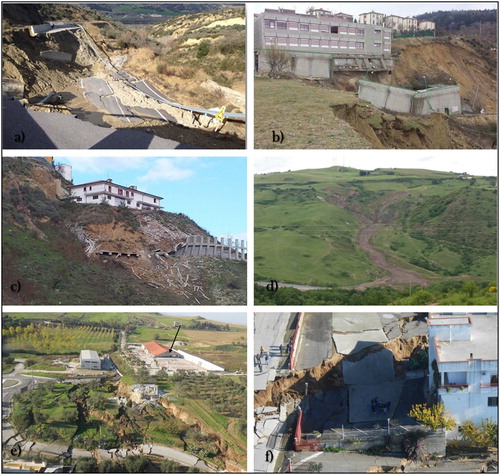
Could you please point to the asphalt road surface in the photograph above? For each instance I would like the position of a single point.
(315, 341)
(27, 129)
(270, 333)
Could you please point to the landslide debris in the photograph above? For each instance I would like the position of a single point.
(52, 247)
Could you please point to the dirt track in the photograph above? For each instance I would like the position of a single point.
(397, 274)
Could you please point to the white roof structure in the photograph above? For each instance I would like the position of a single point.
(89, 355)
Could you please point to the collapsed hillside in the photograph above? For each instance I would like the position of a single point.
(52, 248)
(208, 78)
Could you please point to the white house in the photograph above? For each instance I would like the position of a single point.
(115, 195)
(89, 359)
(372, 18)
(463, 364)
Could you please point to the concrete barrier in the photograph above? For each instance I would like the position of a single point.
(199, 361)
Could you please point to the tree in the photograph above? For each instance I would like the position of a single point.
(169, 466)
(203, 49)
(484, 435)
(278, 60)
(434, 416)
(135, 463)
(86, 465)
(23, 419)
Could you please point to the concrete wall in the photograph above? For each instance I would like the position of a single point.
(205, 246)
(444, 99)
(386, 97)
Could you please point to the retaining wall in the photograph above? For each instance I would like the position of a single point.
(199, 362)
(225, 248)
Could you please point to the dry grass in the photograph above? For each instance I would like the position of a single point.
(214, 338)
(303, 113)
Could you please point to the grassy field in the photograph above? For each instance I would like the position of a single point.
(436, 223)
(303, 113)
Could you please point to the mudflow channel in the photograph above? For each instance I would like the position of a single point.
(397, 275)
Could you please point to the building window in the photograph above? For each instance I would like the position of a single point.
(377, 45)
(325, 43)
(269, 40)
(127, 193)
(90, 188)
(324, 28)
(79, 199)
(282, 41)
(293, 41)
(84, 188)
(342, 30)
(293, 25)
(281, 25)
(304, 27)
(378, 31)
(334, 44)
(351, 45)
(387, 34)
(360, 45)
(95, 197)
(128, 202)
(494, 379)
(120, 191)
(314, 27)
(154, 199)
(138, 205)
(360, 32)
(108, 197)
(109, 189)
(304, 42)
(270, 24)
(351, 30)
(343, 44)
(493, 401)
(315, 43)
(131, 193)
(334, 30)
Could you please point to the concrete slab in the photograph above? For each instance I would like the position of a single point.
(360, 397)
(322, 411)
(269, 426)
(266, 409)
(315, 343)
(372, 369)
(393, 331)
(414, 328)
(355, 322)
(349, 343)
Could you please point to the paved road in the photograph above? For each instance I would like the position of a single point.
(27, 129)
(341, 462)
(270, 333)
(295, 286)
(315, 340)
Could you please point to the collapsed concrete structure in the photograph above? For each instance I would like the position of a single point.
(444, 99)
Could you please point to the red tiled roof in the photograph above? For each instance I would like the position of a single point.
(155, 348)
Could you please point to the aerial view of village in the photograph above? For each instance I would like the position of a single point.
(376, 392)
(375, 76)
(123, 76)
(123, 392)
(75, 233)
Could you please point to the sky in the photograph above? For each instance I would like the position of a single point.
(210, 190)
(482, 163)
(238, 318)
(388, 8)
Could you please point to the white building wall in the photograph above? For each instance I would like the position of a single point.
(199, 361)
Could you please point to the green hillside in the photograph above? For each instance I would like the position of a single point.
(342, 227)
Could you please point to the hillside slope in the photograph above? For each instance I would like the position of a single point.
(50, 248)
(308, 112)
(356, 229)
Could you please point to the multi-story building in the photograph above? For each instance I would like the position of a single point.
(115, 195)
(463, 364)
(372, 18)
(426, 25)
(321, 43)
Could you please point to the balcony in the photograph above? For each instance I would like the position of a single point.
(490, 388)
(452, 388)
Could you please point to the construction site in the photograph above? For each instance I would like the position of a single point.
(338, 389)
(69, 75)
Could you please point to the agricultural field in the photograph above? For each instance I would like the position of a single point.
(40, 339)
